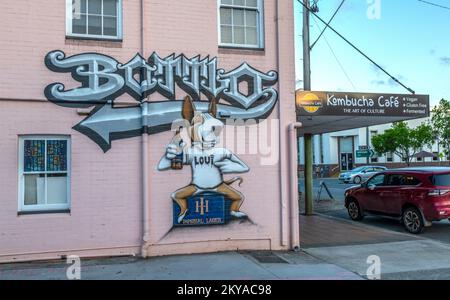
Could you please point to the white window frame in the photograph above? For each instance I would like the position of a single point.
(390, 157)
(259, 26)
(69, 32)
(42, 207)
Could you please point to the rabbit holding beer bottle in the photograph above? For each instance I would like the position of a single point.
(208, 163)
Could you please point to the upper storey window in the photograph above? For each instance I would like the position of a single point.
(96, 19)
(241, 23)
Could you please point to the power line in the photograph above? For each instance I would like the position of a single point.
(434, 4)
(337, 59)
(313, 44)
(357, 49)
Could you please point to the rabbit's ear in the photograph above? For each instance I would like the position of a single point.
(212, 108)
(188, 109)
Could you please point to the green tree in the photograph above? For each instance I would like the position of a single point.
(403, 141)
(441, 126)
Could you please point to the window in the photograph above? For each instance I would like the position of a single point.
(411, 180)
(44, 173)
(402, 180)
(321, 149)
(377, 180)
(241, 23)
(435, 156)
(389, 157)
(99, 19)
(368, 170)
(378, 169)
(440, 179)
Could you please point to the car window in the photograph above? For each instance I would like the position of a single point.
(359, 169)
(440, 180)
(379, 169)
(395, 179)
(403, 180)
(411, 180)
(377, 180)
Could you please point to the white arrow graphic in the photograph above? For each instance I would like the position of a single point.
(107, 123)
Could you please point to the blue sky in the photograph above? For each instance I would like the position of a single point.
(411, 40)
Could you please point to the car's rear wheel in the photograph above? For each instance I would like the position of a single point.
(412, 220)
(357, 180)
(354, 211)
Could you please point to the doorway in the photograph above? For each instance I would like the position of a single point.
(346, 157)
(346, 161)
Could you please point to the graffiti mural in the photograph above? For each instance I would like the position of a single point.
(209, 199)
(203, 201)
(103, 79)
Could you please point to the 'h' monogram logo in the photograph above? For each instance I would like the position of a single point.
(202, 205)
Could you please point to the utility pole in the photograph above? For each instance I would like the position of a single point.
(307, 136)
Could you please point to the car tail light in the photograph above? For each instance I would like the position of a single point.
(438, 192)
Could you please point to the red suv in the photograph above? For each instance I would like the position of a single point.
(415, 196)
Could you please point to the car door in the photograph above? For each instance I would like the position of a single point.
(375, 186)
(398, 191)
(392, 194)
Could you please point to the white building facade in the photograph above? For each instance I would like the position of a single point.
(336, 151)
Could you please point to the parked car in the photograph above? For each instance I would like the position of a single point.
(414, 196)
(360, 174)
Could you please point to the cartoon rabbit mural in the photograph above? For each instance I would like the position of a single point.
(208, 163)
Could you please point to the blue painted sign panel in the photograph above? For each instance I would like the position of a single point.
(203, 209)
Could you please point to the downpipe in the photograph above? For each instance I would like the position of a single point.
(145, 162)
(293, 163)
(145, 192)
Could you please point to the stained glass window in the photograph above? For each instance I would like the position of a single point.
(45, 178)
(56, 155)
(34, 152)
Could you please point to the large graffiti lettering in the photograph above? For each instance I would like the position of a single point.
(103, 79)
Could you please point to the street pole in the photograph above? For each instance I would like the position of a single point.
(307, 137)
(368, 144)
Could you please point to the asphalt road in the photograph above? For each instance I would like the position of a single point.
(440, 231)
(336, 188)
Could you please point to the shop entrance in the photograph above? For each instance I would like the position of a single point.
(346, 146)
(324, 112)
(346, 161)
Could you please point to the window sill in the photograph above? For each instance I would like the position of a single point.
(41, 212)
(241, 50)
(93, 41)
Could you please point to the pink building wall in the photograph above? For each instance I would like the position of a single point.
(106, 199)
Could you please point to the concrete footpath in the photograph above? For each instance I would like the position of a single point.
(216, 266)
(332, 249)
(353, 246)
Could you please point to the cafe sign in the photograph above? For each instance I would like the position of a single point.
(361, 104)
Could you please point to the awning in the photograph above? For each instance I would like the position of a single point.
(323, 112)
